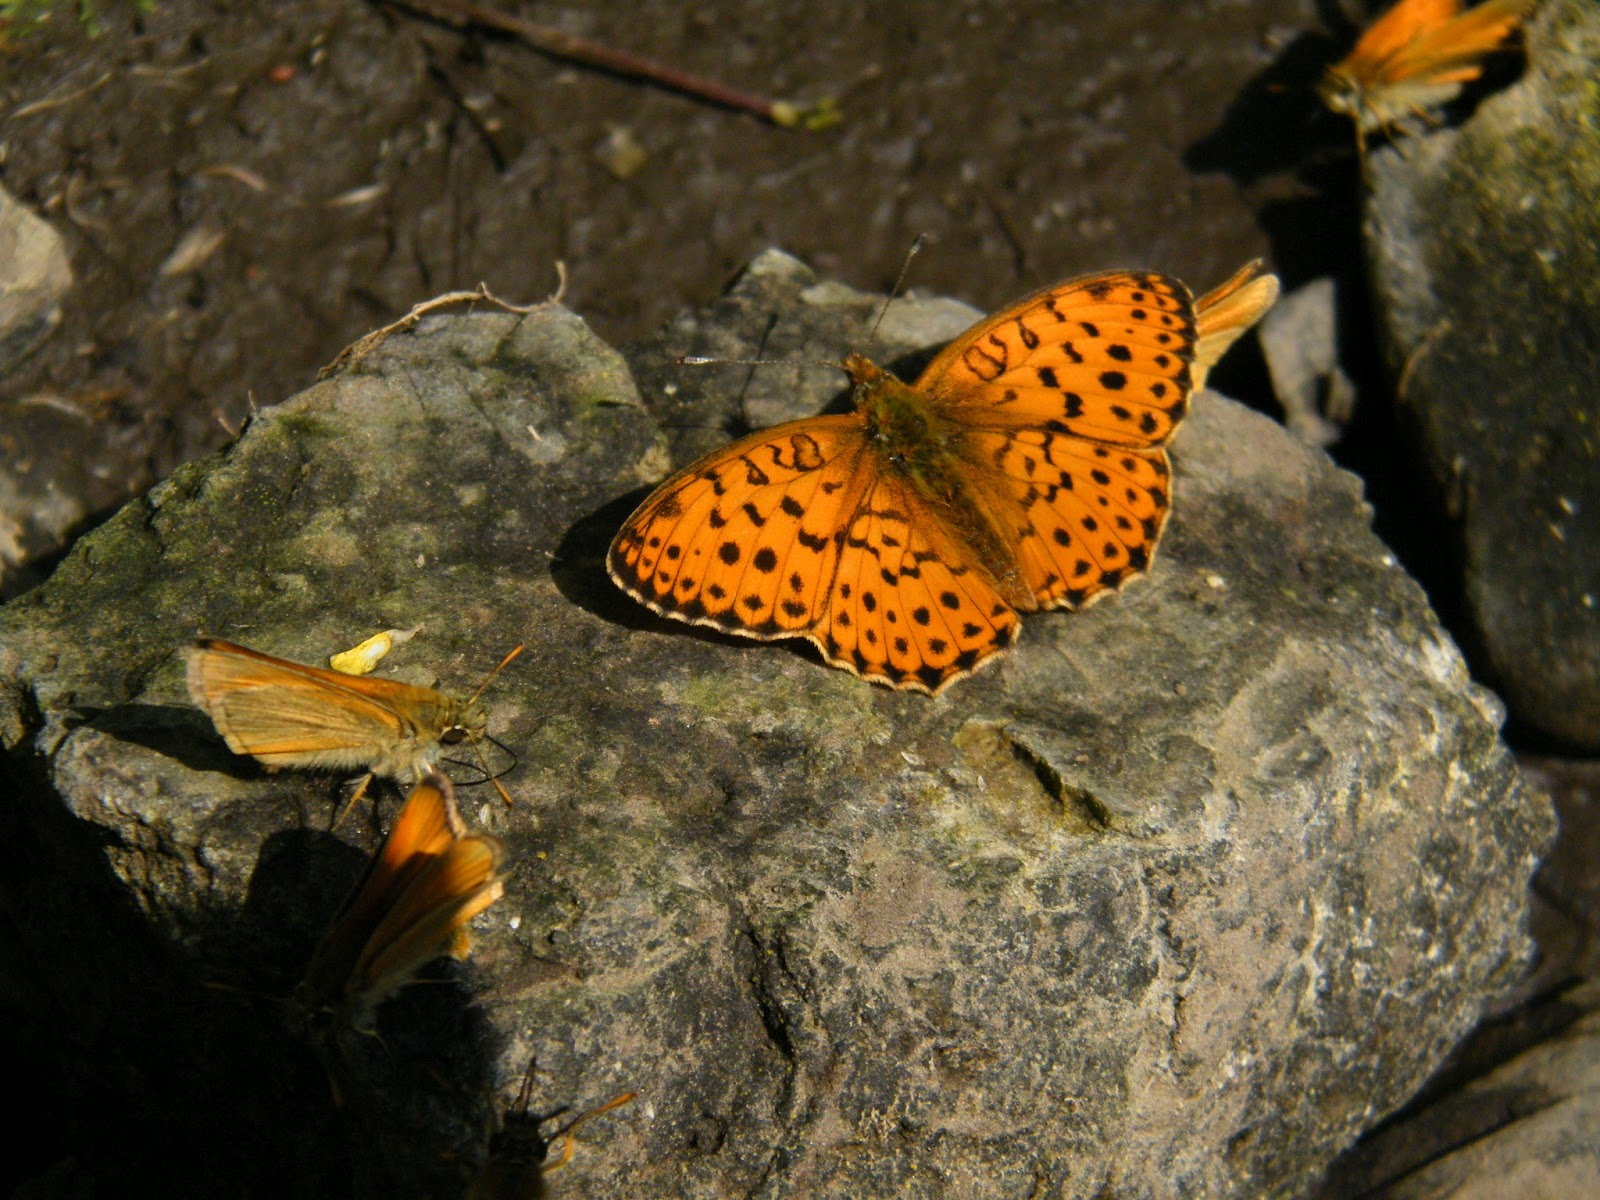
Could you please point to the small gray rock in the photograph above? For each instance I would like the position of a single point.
(1177, 898)
(1485, 251)
(1299, 340)
(34, 277)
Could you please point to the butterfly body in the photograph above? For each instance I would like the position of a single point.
(288, 714)
(911, 436)
(1024, 469)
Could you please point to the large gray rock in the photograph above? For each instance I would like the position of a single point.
(1485, 250)
(1181, 896)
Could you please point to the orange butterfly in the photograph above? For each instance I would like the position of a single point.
(286, 714)
(1415, 56)
(1024, 469)
(430, 877)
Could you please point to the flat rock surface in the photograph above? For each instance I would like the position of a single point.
(1181, 896)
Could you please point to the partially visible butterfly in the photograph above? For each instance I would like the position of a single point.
(429, 878)
(518, 1152)
(286, 714)
(1417, 55)
(1224, 313)
(1024, 470)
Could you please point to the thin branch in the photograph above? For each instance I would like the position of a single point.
(357, 350)
(567, 46)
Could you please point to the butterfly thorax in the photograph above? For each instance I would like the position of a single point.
(429, 721)
(904, 429)
(920, 446)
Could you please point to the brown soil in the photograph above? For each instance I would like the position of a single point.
(344, 160)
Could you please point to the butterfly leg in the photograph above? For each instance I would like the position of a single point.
(1429, 119)
(344, 809)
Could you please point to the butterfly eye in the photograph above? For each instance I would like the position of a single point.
(452, 735)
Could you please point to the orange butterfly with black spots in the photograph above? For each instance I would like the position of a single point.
(1025, 469)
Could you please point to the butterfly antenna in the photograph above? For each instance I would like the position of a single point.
(571, 1127)
(504, 663)
(916, 244)
(525, 1092)
(491, 776)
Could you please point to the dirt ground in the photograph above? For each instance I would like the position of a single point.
(245, 189)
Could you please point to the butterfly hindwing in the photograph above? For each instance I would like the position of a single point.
(1223, 314)
(1085, 518)
(909, 606)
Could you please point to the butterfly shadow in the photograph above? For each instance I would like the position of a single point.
(1276, 122)
(169, 1078)
(176, 731)
(579, 571)
(387, 1106)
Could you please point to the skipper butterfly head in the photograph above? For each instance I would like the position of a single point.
(467, 721)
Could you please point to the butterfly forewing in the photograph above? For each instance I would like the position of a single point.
(428, 879)
(1388, 36)
(1105, 358)
(1454, 52)
(744, 539)
(424, 831)
(1062, 447)
(287, 714)
(426, 921)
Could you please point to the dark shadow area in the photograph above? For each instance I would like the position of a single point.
(177, 731)
(153, 1077)
(579, 571)
(579, 566)
(1242, 375)
(1275, 121)
(1440, 1118)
